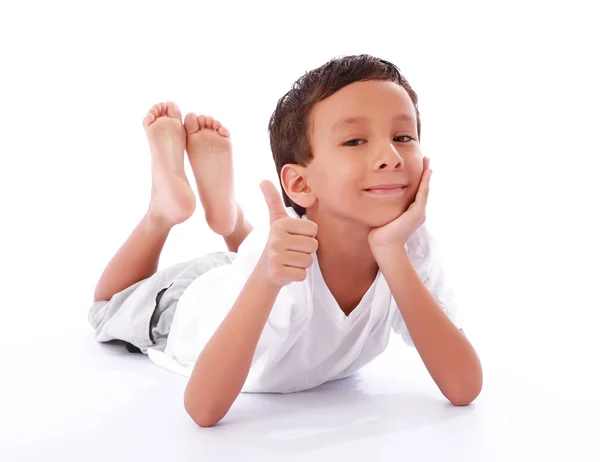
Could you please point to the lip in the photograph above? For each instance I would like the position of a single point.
(387, 189)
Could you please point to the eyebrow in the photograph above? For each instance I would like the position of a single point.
(348, 121)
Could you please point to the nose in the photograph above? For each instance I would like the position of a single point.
(389, 158)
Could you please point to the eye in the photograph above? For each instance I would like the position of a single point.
(359, 142)
(353, 142)
(410, 138)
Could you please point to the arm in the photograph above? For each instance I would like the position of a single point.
(223, 365)
(446, 352)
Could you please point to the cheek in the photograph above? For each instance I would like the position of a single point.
(415, 168)
(338, 184)
(341, 173)
(350, 173)
(348, 179)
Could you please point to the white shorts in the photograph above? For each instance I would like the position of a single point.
(141, 315)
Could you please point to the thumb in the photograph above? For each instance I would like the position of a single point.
(273, 200)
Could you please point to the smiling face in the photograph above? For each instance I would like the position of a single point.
(367, 161)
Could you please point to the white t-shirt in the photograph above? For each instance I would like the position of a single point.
(307, 340)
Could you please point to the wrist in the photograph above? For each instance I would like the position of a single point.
(391, 256)
(260, 277)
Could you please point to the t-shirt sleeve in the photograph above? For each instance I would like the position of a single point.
(425, 256)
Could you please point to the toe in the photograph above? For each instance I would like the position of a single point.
(173, 110)
(224, 132)
(209, 122)
(163, 109)
(156, 110)
(191, 123)
(218, 127)
(202, 121)
(150, 117)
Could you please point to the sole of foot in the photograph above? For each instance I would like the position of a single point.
(172, 198)
(209, 152)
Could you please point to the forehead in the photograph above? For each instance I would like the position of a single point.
(360, 102)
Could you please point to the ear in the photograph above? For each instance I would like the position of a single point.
(293, 179)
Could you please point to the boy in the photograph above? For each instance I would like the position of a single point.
(315, 296)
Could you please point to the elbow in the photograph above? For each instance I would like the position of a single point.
(466, 391)
(465, 395)
(463, 399)
(203, 421)
(200, 413)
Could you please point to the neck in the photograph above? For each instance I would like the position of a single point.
(344, 248)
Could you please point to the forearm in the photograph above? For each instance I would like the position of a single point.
(446, 352)
(223, 365)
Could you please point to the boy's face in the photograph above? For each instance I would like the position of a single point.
(365, 147)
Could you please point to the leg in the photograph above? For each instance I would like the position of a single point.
(172, 201)
(209, 152)
(137, 259)
(240, 232)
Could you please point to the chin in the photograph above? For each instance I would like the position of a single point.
(381, 216)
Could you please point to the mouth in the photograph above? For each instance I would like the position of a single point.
(387, 189)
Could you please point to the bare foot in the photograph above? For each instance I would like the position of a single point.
(172, 200)
(209, 152)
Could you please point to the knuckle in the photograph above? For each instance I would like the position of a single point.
(285, 222)
(275, 258)
(308, 261)
(275, 240)
(315, 244)
(300, 275)
(276, 226)
(307, 244)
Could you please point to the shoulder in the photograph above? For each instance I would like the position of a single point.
(426, 253)
(421, 240)
(420, 247)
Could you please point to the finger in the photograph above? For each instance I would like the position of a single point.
(297, 259)
(423, 192)
(294, 274)
(273, 200)
(300, 226)
(304, 244)
(426, 162)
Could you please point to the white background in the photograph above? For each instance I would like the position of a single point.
(509, 99)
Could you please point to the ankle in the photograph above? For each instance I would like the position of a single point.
(241, 224)
(240, 232)
(157, 223)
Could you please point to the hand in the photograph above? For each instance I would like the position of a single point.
(291, 242)
(397, 232)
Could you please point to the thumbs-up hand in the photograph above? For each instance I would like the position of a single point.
(291, 242)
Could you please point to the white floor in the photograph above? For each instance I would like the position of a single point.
(67, 398)
(509, 97)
